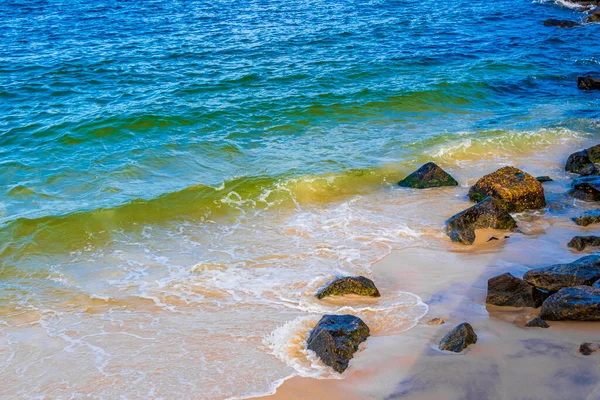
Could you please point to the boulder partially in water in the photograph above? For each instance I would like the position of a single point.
(560, 23)
(459, 338)
(579, 303)
(485, 214)
(349, 285)
(586, 188)
(543, 179)
(582, 162)
(508, 290)
(581, 242)
(588, 218)
(584, 271)
(335, 339)
(428, 176)
(515, 190)
(595, 17)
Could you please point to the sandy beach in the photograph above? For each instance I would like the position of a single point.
(509, 361)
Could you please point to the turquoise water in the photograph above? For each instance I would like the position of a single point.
(142, 142)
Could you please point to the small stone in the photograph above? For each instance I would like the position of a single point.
(544, 179)
(428, 176)
(349, 285)
(581, 242)
(588, 218)
(588, 349)
(492, 238)
(485, 214)
(537, 323)
(436, 321)
(459, 338)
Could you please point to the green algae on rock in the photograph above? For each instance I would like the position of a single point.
(516, 190)
(459, 338)
(335, 339)
(349, 285)
(428, 176)
(485, 214)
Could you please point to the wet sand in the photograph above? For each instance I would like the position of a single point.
(509, 361)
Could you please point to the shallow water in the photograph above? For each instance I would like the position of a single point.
(180, 177)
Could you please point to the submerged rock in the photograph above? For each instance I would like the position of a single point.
(579, 303)
(515, 190)
(584, 271)
(335, 339)
(544, 178)
(485, 214)
(560, 23)
(459, 338)
(428, 176)
(588, 349)
(349, 285)
(595, 17)
(588, 218)
(588, 82)
(581, 242)
(586, 188)
(537, 323)
(507, 290)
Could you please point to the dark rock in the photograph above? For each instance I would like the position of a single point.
(507, 290)
(335, 339)
(588, 82)
(588, 218)
(485, 214)
(349, 285)
(588, 349)
(544, 179)
(428, 176)
(586, 188)
(492, 238)
(596, 284)
(595, 17)
(516, 190)
(579, 303)
(577, 162)
(581, 242)
(583, 271)
(459, 338)
(560, 23)
(537, 323)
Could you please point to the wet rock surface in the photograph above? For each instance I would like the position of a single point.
(580, 303)
(485, 214)
(507, 290)
(514, 189)
(335, 339)
(436, 321)
(428, 176)
(560, 23)
(459, 338)
(588, 218)
(587, 349)
(537, 323)
(582, 162)
(589, 82)
(349, 285)
(584, 271)
(580, 243)
(544, 178)
(586, 188)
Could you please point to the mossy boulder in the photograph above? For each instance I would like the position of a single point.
(586, 188)
(459, 338)
(349, 285)
(485, 214)
(515, 190)
(335, 339)
(583, 271)
(587, 218)
(507, 290)
(579, 303)
(428, 176)
(581, 242)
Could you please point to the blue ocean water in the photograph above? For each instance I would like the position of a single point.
(144, 141)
